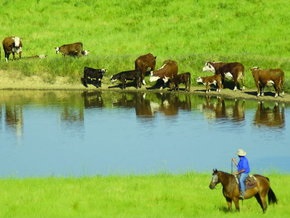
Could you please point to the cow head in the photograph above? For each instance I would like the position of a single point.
(208, 67)
(17, 45)
(199, 80)
(85, 52)
(56, 50)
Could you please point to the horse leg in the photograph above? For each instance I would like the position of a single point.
(262, 201)
(229, 203)
(237, 205)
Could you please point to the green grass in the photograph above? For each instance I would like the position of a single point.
(116, 32)
(161, 195)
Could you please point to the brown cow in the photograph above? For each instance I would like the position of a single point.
(184, 78)
(73, 49)
(12, 44)
(168, 70)
(233, 71)
(144, 64)
(211, 80)
(268, 77)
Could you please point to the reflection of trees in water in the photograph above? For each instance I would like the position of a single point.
(270, 115)
(216, 108)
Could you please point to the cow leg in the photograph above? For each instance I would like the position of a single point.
(7, 56)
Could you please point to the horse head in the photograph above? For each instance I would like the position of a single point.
(214, 180)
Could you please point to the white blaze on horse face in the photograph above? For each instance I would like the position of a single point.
(214, 179)
(208, 67)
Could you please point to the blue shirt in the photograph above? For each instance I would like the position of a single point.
(243, 164)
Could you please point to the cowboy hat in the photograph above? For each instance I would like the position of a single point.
(241, 152)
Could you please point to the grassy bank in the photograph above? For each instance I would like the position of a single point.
(116, 32)
(161, 195)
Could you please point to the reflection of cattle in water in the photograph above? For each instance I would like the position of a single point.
(234, 109)
(171, 103)
(72, 114)
(93, 99)
(270, 116)
(146, 105)
(14, 118)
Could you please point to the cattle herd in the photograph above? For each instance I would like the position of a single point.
(167, 75)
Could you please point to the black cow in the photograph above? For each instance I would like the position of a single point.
(73, 49)
(12, 44)
(93, 76)
(133, 75)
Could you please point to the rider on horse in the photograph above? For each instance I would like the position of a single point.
(243, 170)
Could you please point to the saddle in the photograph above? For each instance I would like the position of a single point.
(250, 181)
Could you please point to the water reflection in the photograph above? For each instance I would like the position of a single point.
(217, 107)
(13, 116)
(71, 132)
(270, 114)
(146, 105)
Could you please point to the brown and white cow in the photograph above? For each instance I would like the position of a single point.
(73, 49)
(215, 80)
(145, 64)
(268, 77)
(183, 78)
(12, 44)
(168, 70)
(232, 71)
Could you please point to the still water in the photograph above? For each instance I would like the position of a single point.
(76, 133)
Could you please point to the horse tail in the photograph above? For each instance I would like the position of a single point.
(272, 199)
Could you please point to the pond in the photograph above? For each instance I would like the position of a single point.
(85, 133)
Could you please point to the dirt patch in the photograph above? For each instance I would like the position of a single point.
(62, 83)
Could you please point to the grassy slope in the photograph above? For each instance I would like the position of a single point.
(116, 32)
(161, 195)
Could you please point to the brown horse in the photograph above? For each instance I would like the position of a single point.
(231, 189)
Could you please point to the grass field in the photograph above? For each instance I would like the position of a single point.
(161, 195)
(117, 32)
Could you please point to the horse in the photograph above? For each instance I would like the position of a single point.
(231, 189)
